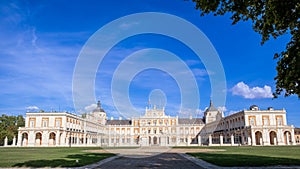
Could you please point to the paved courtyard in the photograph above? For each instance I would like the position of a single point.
(151, 157)
(165, 160)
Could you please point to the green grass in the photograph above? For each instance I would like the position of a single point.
(49, 157)
(252, 156)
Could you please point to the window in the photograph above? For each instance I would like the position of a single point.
(45, 122)
(31, 122)
(252, 120)
(57, 122)
(173, 139)
(279, 120)
(266, 120)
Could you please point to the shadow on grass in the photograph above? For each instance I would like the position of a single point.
(69, 161)
(230, 160)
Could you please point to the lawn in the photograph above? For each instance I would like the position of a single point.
(252, 156)
(49, 157)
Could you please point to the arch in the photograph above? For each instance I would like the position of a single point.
(52, 140)
(258, 138)
(273, 138)
(155, 140)
(149, 140)
(137, 139)
(24, 139)
(38, 138)
(287, 137)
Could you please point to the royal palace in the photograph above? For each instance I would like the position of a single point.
(155, 128)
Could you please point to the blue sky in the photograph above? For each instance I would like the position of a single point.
(41, 41)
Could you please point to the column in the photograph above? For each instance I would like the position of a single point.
(109, 138)
(31, 137)
(5, 141)
(199, 140)
(90, 139)
(57, 143)
(131, 140)
(287, 138)
(45, 138)
(79, 139)
(265, 137)
(84, 139)
(19, 144)
(249, 140)
(209, 140)
(98, 139)
(275, 140)
(293, 137)
(14, 141)
(243, 138)
(115, 139)
(221, 140)
(253, 138)
(63, 138)
(232, 139)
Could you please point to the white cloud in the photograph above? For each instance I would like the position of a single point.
(90, 108)
(200, 72)
(222, 109)
(32, 108)
(199, 112)
(128, 25)
(242, 89)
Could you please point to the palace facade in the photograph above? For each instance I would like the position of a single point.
(155, 128)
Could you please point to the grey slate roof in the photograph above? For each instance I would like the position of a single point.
(98, 108)
(118, 122)
(211, 107)
(190, 121)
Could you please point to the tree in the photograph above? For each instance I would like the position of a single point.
(9, 127)
(270, 18)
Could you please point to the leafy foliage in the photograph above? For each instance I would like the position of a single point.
(270, 18)
(9, 127)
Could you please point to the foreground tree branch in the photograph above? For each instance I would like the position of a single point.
(270, 18)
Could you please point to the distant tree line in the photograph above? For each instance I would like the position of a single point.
(9, 127)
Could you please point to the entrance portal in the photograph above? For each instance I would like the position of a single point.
(154, 140)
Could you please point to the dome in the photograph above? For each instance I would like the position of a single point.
(254, 107)
(98, 109)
